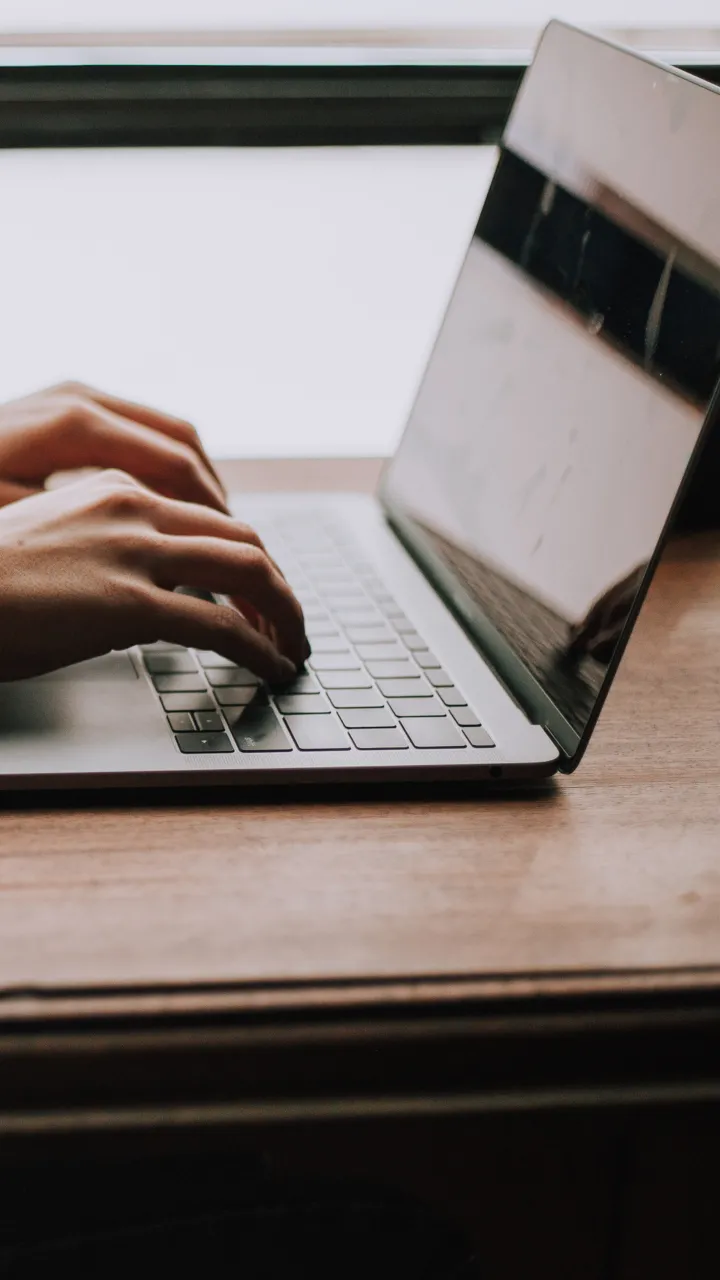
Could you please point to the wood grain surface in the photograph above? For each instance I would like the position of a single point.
(602, 878)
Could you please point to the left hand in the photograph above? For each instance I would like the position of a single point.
(72, 426)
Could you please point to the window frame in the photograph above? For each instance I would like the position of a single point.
(264, 101)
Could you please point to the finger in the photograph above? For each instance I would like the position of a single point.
(186, 620)
(249, 611)
(191, 518)
(10, 492)
(169, 516)
(215, 564)
(99, 438)
(166, 423)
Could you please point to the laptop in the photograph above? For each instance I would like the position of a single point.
(467, 621)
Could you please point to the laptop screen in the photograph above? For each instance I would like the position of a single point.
(576, 361)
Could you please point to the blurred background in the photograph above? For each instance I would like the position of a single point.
(107, 15)
(252, 211)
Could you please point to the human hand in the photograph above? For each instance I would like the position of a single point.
(72, 426)
(92, 566)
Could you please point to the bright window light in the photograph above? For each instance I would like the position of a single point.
(153, 15)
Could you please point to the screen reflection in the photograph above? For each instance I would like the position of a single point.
(572, 373)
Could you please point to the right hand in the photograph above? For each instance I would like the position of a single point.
(92, 567)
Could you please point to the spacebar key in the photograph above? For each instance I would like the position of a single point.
(258, 729)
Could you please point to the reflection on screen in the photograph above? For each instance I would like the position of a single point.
(574, 368)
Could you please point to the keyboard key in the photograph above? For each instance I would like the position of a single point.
(438, 678)
(414, 688)
(465, 716)
(381, 652)
(179, 684)
(231, 676)
(333, 643)
(356, 698)
(316, 616)
(392, 670)
(479, 737)
(306, 704)
(344, 661)
(257, 728)
(379, 592)
(405, 627)
(338, 587)
(163, 646)
(209, 659)
(339, 604)
(429, 734)
(242, 696)
(379, 739)
(307, 542)
(317, 733)
(320, 563)
(344, 680)
(182, 721)
(359, 617)
(303, 683)
(452, 697)
(351, 620)
(170, 663)
(402, 707)
(367, 718)
(187, 702)
(209, 721)
(203, 743)
(318, 630)
(425, 658)
(412, 640)
(370, 635)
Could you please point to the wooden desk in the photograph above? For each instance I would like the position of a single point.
(472, 923)
(497, 1002)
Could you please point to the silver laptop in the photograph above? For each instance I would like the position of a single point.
(468, 620)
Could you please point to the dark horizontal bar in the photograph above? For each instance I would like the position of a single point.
(275, 1064)
(79, 106)
(271, 106)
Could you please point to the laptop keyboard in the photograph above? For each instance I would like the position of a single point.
(371, 684)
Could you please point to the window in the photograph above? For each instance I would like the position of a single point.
(308, 281)
(692, 28)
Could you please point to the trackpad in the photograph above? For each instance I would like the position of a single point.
(111, 667)
(102, 699)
